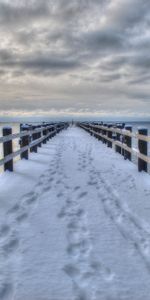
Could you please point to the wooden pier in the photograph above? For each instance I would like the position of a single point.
(117, 136)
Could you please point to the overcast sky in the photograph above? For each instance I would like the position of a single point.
(77, 57)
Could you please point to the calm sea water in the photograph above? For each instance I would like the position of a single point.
(16, 128)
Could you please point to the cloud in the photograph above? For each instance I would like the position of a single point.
(106, 40)
(86, 55)
(37, 62)
(16, 12)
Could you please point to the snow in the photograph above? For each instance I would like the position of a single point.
(74, 224)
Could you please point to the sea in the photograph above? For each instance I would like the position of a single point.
(16, 129)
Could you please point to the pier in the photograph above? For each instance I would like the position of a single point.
(118, 136)
(74, 222)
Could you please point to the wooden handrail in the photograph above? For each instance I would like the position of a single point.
(30, 145)
(123, 132)
(116, 143)
(23, 133)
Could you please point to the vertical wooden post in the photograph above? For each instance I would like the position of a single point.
(128, 142)
(105, 133)
(24, 141)
(118, 148)
(143, 149)
(114, 136)
(100, 131)
(97, 132)
(44, 134)
(34, 137)
(8, 149)
(51, 129)
(109, 134)
(90, 127)
(122, 140)
(39, 135)
(47, 131)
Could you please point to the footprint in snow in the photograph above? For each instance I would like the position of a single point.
(77, 213)
(60, 195)
(11, 245)
(67, 187)
(14, 209)
(31, 199)
(6, 291)
(58, 181)
(73, 225)
(71, 271)
(53, 172)
(46, 188)
(76, 188)
(81, 195)
(62, 213)
(4, 230)
(21, 217)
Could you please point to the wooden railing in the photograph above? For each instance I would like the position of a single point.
(120, 138)
(31, 137)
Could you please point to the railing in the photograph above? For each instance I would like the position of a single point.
(120, 137)
(31, 137)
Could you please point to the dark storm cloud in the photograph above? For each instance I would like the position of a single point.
(107, 40)
(43, 64)
(37, 62)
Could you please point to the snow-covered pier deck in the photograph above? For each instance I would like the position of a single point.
(74, 224)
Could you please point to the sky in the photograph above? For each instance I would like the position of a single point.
(86, 58)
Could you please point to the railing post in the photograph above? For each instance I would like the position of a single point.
(128, 142)
(105, 133)
(8, 149)
(47, 131)
(114, 135)
(34, 137)
(90, 128)
(44, 134)
(109, 134)
(55, 128)
(100, 131)
(24, 141)
(51, 129)
(118, 148)
(143, 149)
(39, 135)
(97, 131)
(122, 140)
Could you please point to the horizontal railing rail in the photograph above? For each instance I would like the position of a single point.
(122, 141)
(125, 132)
(30, 139)
(21, 134)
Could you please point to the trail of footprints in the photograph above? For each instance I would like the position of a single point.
(81, 268)
(9, 236)
(79, 244)
(10, 241)
(130, 227)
